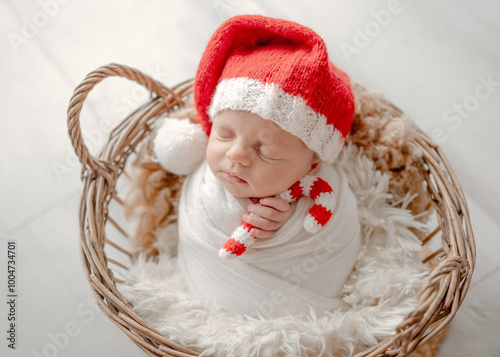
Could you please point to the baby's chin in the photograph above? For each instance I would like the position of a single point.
(247, 192)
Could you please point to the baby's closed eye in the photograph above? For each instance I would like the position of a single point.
(268, 153)
(224, 133)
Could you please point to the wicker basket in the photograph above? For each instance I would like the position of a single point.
(443, 292)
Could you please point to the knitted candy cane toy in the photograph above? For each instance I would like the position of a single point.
(319, 214)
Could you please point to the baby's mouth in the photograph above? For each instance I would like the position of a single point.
(232, 177)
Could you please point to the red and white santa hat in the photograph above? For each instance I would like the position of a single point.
(280, 71)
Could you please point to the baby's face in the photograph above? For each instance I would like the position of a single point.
(254, 157)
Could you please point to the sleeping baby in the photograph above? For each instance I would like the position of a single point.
(267, 224)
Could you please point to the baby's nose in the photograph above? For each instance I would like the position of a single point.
(239, 154)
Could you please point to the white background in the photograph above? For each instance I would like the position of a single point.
(431, 58)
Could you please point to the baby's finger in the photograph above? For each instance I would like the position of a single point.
(277, 203)
(265, 212)
(261, 223)
(259, 233)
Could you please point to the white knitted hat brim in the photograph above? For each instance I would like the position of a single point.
(290, 112)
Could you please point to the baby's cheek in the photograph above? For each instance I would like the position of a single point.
(213, 152)
(278, 179)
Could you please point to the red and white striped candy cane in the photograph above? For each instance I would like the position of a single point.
(319, 214)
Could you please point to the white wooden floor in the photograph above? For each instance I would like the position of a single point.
(439, 61)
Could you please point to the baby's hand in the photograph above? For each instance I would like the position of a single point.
(269, 214)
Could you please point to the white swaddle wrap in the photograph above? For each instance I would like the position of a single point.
(288, 273)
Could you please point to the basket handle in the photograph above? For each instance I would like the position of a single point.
(108, 169)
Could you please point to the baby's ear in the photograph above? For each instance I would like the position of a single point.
(314, 165)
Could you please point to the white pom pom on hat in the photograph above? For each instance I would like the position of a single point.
(180, 145)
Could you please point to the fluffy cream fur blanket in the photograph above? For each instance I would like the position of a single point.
(380, 291)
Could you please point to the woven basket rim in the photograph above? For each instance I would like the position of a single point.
(442, 294)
